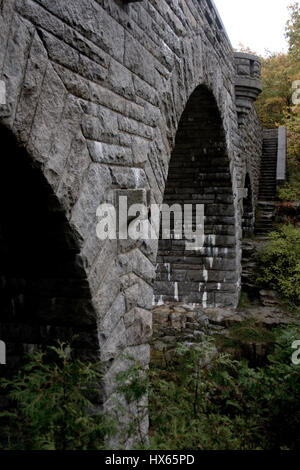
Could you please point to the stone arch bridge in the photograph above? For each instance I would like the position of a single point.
(146, 98)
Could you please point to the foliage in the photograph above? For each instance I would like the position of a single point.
(50, 405)
(204, 400)
(194, 403)
(132, 390)
(272, 394)
(293, 151)
(276, 98)
(275, 104)
(279, 71)
(248, 331)
(201, 400)
(293, 31)
(246, 49)
(279, 263)
(289, 192)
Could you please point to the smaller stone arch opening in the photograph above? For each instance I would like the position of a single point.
(199, 174)
(44, 291)
(248, 218)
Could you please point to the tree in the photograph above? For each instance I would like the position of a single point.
(276, 99)
(275, 105)
(293, 32)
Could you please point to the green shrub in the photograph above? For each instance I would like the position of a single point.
(223, 404)
(272, 394)
(50, 408)
(201, 400)
(195, 403)
(204, 400)
(279, 263)
(289, 192)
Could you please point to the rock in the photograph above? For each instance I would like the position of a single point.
(177, 321)
(269, 298)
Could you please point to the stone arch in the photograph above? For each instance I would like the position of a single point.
(44, 293)
(199, 173)
(95, 91)
(248, 209)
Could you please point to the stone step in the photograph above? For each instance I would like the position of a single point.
(271, 191)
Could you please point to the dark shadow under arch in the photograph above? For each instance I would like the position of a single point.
(199, 172)
(248, 211)
(44, 293)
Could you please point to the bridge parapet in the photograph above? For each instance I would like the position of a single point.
(248, 82)
(214, 19)
(281, 155)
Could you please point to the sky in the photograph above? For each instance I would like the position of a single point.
(257, 24)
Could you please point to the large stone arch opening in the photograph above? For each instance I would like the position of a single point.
(199, 173)
(44, 293)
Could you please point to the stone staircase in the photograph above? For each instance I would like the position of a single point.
(267, 188)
